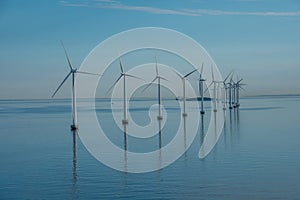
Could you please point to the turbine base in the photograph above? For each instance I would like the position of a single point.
(215, 110)
(159, 117)
(74, 127)
(124, 121)
(184, 114)
(202, 112)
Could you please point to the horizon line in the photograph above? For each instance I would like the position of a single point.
(146, 98)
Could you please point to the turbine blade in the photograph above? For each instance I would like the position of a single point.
(208, 87)
(242, 88)
(120, 62)
(212, 73)
(149, 84)
(190, 73)
(227, 76)
(133, 76)
(121, 65)
(178, 74)
(239, 80)
(231, 81)
(61, 84)
(82, 72)
(231, 77)
(163, 78)
(114, 84)
(201, 70)
(156, 68)
(70, 65)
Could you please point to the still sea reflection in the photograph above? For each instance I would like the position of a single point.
(256, 157)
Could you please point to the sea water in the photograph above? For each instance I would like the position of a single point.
(256, 156)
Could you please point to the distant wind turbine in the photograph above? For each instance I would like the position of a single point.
(183, 78)
(73, 71)
(123, 74)
(238, 86)
(158, 78)
(225, 87)
(231, 92)
(234, 94)
(214, 83)
(201, 90)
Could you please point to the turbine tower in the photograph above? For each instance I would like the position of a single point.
(158, 78)
(214, 83)
(201, 90)
(225, 87)
(123, 74)
(230, 93)
(234, 94)
(183, 78)
(238, 86)
(73, 72)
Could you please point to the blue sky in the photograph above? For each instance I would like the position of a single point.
(260, 39)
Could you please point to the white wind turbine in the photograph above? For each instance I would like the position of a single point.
(234, 93)
(183, 78)
(214, 83)
(73, 71)
(201, 90)
(231, 93)
(225, 90)
(123, 74)
(238, 86)
(158, 78)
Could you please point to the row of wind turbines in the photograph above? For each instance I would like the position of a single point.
(230, 89)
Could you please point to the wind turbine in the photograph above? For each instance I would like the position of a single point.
(214, 83)
(72, 72)
(123, 74)
(158, 78)
(225, 90)
(234, 94)
(238, 86)
(183, 78)
(231, 92)
(201, 90)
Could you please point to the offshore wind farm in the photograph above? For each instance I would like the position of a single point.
(117, 99)
(233, 92)
(213, 98)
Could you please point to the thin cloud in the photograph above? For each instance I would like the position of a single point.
(117, 5)
(222, 12)
(147, 9)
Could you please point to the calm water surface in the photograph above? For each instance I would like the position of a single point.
(256, 157)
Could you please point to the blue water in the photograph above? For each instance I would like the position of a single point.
(256, 157)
